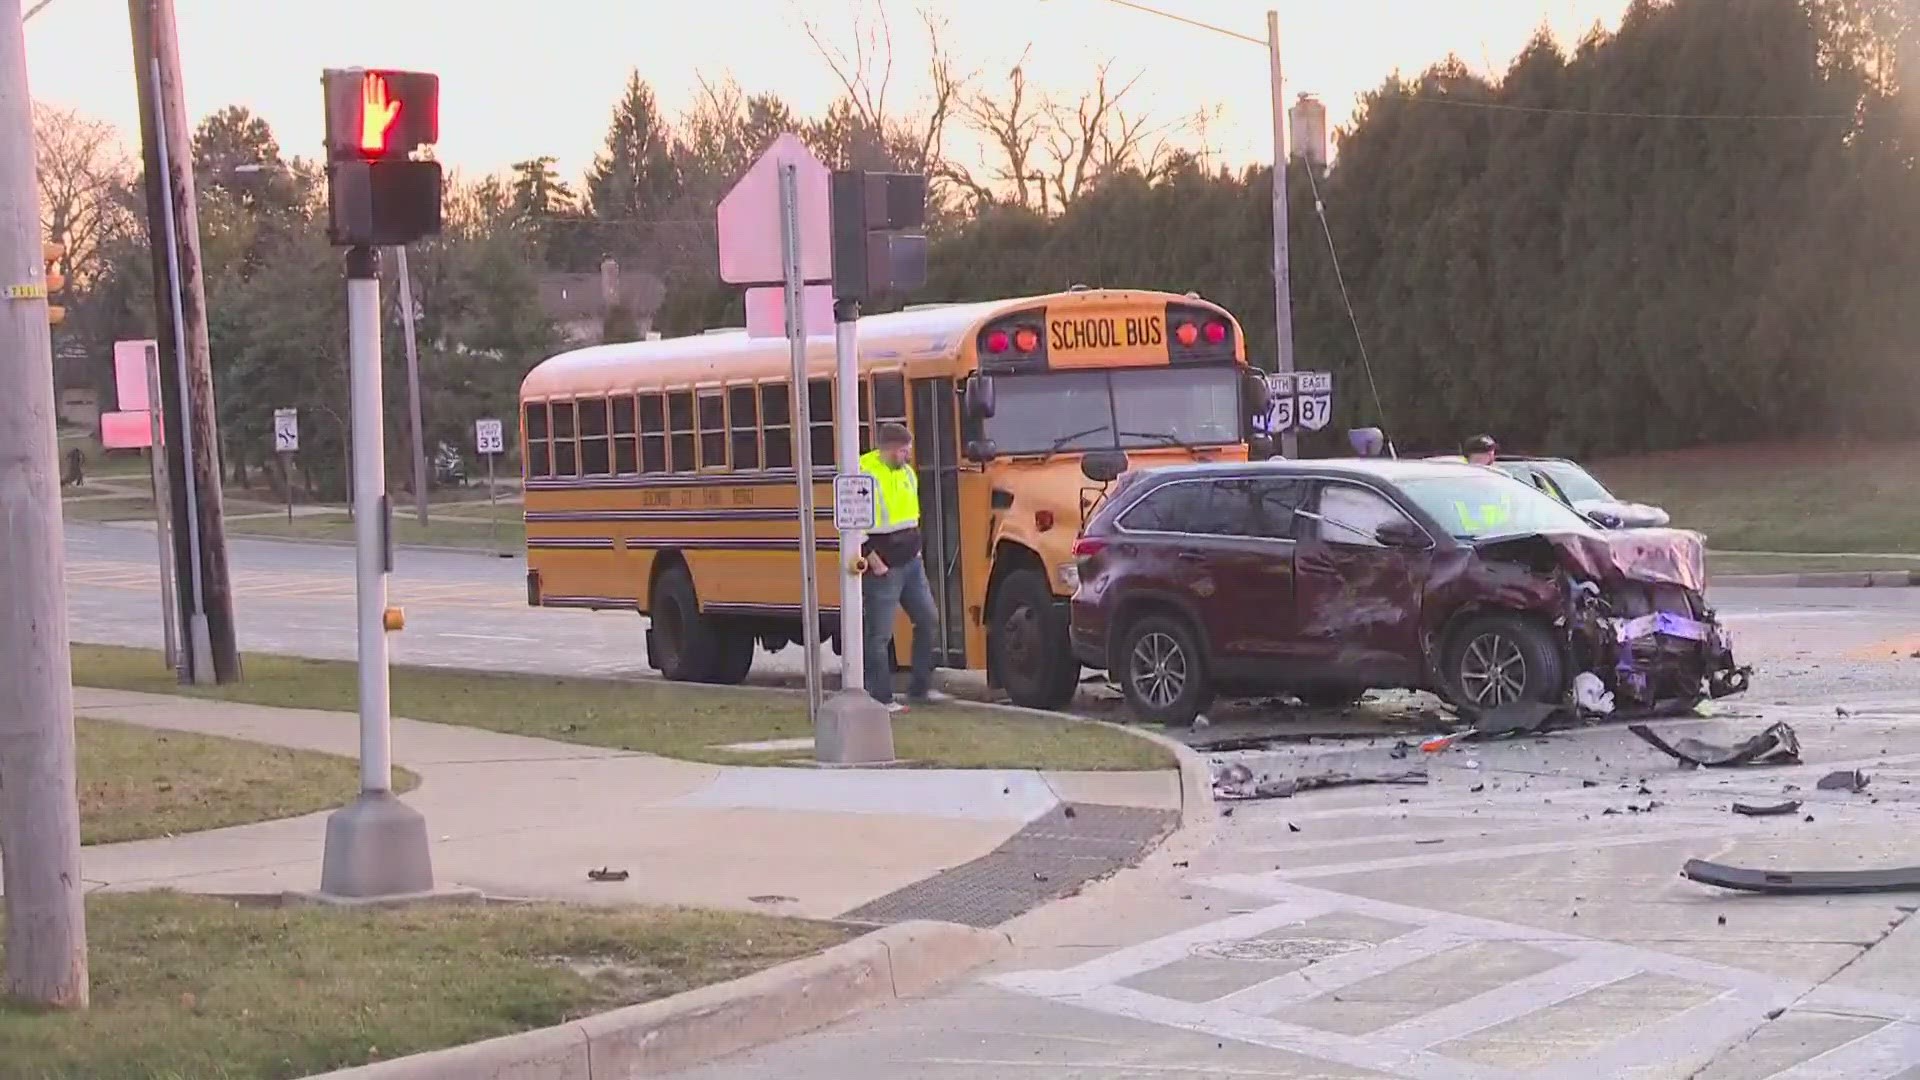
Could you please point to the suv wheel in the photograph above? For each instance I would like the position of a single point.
(1036, 662)
(1501, 660)
(1161, 671)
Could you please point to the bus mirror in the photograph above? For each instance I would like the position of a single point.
(1258, 393)
(1103, 466)
(979, 397)
(982, 450)
(1259, 447)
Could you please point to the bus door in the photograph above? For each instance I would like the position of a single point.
(936, 454)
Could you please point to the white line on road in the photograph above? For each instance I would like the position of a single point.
(489, 637)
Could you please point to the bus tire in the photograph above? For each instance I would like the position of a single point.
(733, 656)
(1036, 663)
(685, 647)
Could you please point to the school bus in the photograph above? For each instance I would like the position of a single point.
(660, 474)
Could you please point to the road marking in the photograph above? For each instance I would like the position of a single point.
(491, 637)
(1741, 1001)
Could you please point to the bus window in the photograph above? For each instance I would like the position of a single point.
(889, 399)
(539, 456)
(820, 415)
(713, 430)
(565, 460)
(595, 457)
(866, 416)
(625, 456)
(743, 409)
(776, 419)
(653, 433)
(680, 430)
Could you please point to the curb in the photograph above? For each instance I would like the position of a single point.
(1856, 579)
(700, 1026)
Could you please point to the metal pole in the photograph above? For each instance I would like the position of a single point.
(373, 558)
(378, 845)
(46, 931)
(413, 388)
(802, 439)
(286, 478)
(1282, 271)
(162, 510)
(200, 640)
(846, 341)
(493, 508)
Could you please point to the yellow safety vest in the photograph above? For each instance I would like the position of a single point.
(896, 494)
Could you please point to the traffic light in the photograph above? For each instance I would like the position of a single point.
(51, 254)
(877, 243)
(378, 193)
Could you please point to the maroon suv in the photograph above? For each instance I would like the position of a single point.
(1325, 579)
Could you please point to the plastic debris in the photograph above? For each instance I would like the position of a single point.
(1777, 745)
(604, 874)
(1767, 810)
(1845, 780)
(1279, 775)
(1591, 696)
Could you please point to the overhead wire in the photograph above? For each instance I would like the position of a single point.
(1366, 362)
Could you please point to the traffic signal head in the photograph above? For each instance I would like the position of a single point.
(877, 243)
(379, 115)
(51, 254)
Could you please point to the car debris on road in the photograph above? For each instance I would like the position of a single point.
(1852, 780)
(1802, 882)
(1279, 775)
(1780, 809)
(1777, 745)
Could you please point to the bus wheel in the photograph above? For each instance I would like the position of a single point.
(733, 657)
(685, 648)
(1035, 655)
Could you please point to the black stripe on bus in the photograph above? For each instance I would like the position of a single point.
(746, 513)
(825, 541)
(764, 478)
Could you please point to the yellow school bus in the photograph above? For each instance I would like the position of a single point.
(660, 474)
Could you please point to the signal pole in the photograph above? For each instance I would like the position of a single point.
(1282, 272)
(180, 299)
(46, 935)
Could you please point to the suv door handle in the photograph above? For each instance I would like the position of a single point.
(1192, 556)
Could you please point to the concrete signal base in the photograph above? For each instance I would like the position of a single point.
(376, 847)
(854, 730)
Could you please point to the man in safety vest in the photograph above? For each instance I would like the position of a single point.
(896, 577)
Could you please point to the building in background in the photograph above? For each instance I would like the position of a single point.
(1308, 130)
(585, 305)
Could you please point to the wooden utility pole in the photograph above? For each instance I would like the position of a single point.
(46, 935)
(1282, 272)
(180, 298)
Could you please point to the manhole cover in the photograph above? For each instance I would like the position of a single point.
(1305, 950)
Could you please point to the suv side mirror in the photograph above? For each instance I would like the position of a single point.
(1400, 534)
(1604, 519)
(982, 450)
(977, 398)
(1103, 466)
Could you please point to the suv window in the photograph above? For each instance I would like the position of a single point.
(1350, 515)
(1231, 506)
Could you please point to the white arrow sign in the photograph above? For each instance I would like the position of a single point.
(286, 430)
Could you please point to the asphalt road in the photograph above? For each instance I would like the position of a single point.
(469, 610)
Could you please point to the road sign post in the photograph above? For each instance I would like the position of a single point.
(286, 443)
(490, 440)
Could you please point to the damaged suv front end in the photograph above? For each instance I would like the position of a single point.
(1632, 611)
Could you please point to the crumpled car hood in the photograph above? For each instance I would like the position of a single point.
(1653, 556)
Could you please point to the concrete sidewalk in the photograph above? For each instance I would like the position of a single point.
(521, 817)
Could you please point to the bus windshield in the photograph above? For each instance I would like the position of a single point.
(1123, 408)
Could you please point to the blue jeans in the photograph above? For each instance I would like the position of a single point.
(883, 595)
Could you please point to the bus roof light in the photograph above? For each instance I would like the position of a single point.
(1187, 334)
(1026, 339)
(1216, 332)
(997, 341)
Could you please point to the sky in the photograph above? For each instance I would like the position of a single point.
(516, 85)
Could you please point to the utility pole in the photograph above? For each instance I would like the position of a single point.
(180, 298)
(413, 386)
(1282, 271)
(46, 935)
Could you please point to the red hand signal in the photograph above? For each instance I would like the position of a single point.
(377, 114)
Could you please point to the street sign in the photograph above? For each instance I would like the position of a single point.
(1315, 408)
(853, 502)
(130, 360)
(767, 310)
(1280, 416)
(286, 430)
(752, 248)
(488, 437)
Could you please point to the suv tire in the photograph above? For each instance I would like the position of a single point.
(1161, 671)
(1029, 635)
(685, 648)
(1501, 660)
